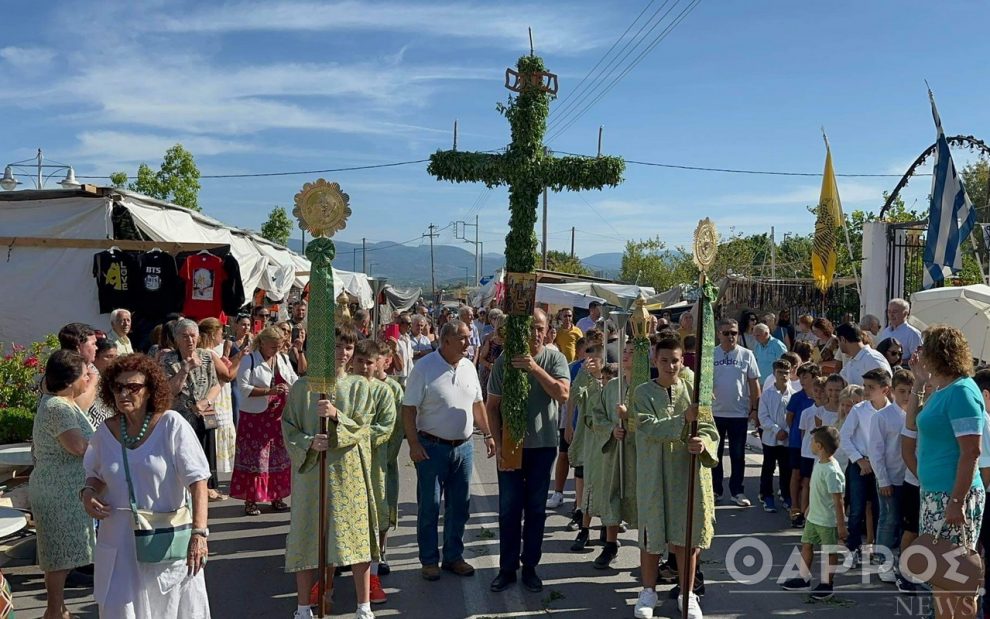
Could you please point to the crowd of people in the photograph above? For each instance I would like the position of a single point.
(870, 437)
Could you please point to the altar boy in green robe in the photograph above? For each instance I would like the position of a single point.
(663, 411)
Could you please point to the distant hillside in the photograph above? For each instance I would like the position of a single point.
(609, 263)
(410, 266)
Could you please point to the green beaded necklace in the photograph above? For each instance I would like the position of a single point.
(131, 441)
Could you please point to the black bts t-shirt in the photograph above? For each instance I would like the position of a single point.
(116, 280)
(159, 285)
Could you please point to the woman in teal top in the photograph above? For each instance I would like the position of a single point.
(61, 434)
(949, 427)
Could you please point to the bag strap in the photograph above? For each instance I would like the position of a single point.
(127, 470)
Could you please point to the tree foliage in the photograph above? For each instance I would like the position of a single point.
(278, 228)
(177, 180)
(118, 180)
(563, 262)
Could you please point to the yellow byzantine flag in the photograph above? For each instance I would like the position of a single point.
(823, 252)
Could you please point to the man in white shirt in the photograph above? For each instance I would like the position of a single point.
(403, 349)
(441, 407)
(737, 395)
(120, 326)
(861, 358)
(594, 315)
(897, 327)
(772, 415)
(466, 314)
(421, 345)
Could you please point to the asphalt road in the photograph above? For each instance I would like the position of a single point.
(246, 579)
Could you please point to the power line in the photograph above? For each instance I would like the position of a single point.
(327, 171)
(735, 171)
(663, 35)
(613, 66)
(564, 101)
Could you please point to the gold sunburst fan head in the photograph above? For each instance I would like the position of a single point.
(705, 244)
(322, 208)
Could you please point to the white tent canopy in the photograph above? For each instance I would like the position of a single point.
(965, 307)
(47, 287)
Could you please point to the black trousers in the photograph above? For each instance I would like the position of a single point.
(776, 458)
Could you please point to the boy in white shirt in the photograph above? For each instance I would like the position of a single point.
(773, 421)
(792, 377)
(808, 423)
(889, 468)
(828, 413)
(855, 442)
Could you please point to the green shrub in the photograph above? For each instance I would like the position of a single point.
(15, 425)
(21, 368)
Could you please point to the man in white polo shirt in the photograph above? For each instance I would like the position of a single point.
(440, 409)
(862, 358)
(898, 328)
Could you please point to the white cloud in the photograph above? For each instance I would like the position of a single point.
(125, 147)
(489, 22)
(27, 57)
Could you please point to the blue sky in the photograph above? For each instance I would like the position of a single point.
(251, 86)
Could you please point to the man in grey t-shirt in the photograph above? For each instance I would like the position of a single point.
(736, 392)
(524, 490)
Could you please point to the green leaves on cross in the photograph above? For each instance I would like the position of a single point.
(526, 167)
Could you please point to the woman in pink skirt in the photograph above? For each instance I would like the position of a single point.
(262, 471)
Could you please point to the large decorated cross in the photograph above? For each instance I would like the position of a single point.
(527, 168)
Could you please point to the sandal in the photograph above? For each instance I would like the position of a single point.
(279, 505)
(251, 509)
(214, 496)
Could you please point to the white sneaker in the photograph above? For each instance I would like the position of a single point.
(364, 614)
(694, 609)
(644, 606)
(303, 614)
(556, 500)
(886, 574)
(741, 500)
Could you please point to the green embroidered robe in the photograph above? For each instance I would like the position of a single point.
(602, 453)
(662, 467)
(392, 458)
(352, 522)
(578, 398)
(381, 419)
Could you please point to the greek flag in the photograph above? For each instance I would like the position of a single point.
(951, 216)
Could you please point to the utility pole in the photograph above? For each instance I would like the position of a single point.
(572, 242)
(461, 236)
(364, 255)
(433, 273)
(544, 228)
(773, 255)
(354, 257)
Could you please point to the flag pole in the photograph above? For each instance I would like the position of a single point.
(845, 229)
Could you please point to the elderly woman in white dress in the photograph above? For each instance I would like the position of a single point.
(167, 470)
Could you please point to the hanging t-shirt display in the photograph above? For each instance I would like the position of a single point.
(161, 292)
(233, 289)
(116, 279)
(204, 278)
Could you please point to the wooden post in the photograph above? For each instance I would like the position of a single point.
(689, 562)
(322, 555)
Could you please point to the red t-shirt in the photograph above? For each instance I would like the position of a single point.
(203, 275)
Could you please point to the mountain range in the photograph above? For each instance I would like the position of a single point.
(405, 265)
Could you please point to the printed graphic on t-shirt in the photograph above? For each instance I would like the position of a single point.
(202, 284)
(152, 279)
(116, 277)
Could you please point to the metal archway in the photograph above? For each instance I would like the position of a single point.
(961, 141)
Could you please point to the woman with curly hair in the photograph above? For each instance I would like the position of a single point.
(166, 466)
(60, 436)
(949, 429)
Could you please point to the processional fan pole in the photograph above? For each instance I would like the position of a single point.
(705, 248)
(322, 208)
(621, 320)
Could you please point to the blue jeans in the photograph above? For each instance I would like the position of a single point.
(734, 429)
(446, 473)
(862, 489)
(523, 492)
(889, 525)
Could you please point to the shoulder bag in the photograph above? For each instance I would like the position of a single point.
(944, 565)
(159, 537)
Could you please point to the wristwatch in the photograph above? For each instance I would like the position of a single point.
(204, 533)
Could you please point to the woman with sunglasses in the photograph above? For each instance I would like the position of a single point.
(61, 434)
(747, 322)
(892, 351)
(167, 469)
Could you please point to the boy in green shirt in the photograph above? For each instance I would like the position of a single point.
(825, 520)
